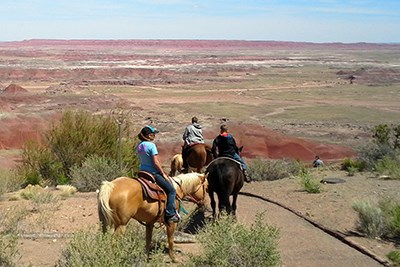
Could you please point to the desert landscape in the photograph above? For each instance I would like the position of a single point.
(280, 99)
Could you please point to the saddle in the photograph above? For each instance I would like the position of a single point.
(189, 148)
(230, 158)
(150, 188)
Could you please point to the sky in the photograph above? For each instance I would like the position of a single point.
(270, 20)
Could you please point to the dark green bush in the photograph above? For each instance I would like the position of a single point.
(351, 165)
(269, 170)
(70, 141)
(394, 256)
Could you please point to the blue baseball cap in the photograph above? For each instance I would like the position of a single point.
(148, 130)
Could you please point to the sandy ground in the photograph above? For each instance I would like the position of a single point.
(300, 243)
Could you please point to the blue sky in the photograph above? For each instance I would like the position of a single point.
(280, 20)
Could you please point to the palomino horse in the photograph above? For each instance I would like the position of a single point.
(123, 199)
(225, 178)
(176, 164)
(198, 156)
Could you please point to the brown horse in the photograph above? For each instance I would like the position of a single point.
(123, 199)
(199, 156)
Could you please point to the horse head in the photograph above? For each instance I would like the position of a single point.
(192, 186)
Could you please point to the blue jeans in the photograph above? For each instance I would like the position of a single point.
(170, 210)
(238, 158)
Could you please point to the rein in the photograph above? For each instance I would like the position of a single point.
(190, 197)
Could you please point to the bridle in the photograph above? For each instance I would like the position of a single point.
(191, 197)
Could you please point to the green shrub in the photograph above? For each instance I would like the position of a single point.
(70, 141)
(394, 256)
(9, 222)
(227, 243)
(88, 249)
(93, 171)
(388, 166)
(8, 250)
(382, 134)
(269, 170)
(351, 171)
(391, 214)
(39, 195)
(309, 183)
(370, 219)
(9, 181)
(382, 220)
(352, 165)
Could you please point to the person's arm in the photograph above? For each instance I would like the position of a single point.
(214, 148)
(158, 166)
(185, 134)
(235, 147)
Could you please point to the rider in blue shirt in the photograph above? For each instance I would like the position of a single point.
(149, 162)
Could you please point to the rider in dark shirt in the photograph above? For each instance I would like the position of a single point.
(226, 146)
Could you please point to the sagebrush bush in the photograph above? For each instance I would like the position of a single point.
(382, 220)
(106, 250)
(269, 170)
(38, 195)
(93, 171)
(9, 181)
(227, 243)
(370, 219)
(8, 250)
(9, 222)
(70, 141)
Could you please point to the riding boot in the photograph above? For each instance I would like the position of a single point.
(247, 177)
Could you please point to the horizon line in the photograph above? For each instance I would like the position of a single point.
(195, 40)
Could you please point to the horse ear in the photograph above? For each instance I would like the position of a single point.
(240, 149)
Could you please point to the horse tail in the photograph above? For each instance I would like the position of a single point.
(103, 202)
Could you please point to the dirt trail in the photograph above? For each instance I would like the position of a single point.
(300, 243)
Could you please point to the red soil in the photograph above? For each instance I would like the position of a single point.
(258, 141)
(14, 89)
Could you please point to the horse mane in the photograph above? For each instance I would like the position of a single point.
(189, 181)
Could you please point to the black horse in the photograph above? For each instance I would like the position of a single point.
(225, 178)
